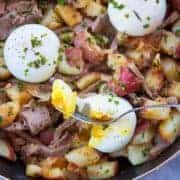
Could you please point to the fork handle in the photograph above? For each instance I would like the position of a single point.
(146, 107)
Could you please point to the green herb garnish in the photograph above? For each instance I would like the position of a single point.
(35, 41)
(61, 2)
(116, 5)
(1, 119)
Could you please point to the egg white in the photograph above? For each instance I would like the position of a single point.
(116, 138)
(18, 52)
(137, 17)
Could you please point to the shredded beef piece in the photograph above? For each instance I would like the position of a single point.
(37, 118)
(18, 13)
(103, 26)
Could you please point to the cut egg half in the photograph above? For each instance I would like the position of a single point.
(137, 17)
(31, 53)
(113, 137)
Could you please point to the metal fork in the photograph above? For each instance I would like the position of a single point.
(80, 117)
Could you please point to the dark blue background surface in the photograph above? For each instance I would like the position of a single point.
(171, 171)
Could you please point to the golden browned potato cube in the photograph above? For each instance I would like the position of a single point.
(154, 79)
(144, 137)
(87, 80)
(170, 128)
(51, 20)
(116, 60)
(81, 3)
(8, 113)
(83, 156)
(138, 154)
(169, 43)
(174, 90)
(69, 14)
(170, 69)
(94, 9)
(155, 114)
(19, 93)
(103, 170)
(4, 73)
(33, 170)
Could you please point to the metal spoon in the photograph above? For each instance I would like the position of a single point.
(80, 117)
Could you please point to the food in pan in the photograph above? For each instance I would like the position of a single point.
(97, 57)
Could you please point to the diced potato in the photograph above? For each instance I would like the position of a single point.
(155, 114)
(87, 80)
(170, 128)
(116, 60)
(53, 173)
(170, 69)
(83, 156)
(8, 113)
(94, 9)
(174, 90)
(51, 20)
(81, 3)
(4, 73)
(79, 142)
(33, 170)
(138, 154)
(154, 79)
(176, 28)
(59, 162)
(81, 172)
(121, 153)
(169, 43)
(102, 170)
(6, 150)
(70, 15)
(18, 93)
(141, 58)
(65, 68)
(52, 167)
(144, 136)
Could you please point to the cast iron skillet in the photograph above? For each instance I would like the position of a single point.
(15, 171)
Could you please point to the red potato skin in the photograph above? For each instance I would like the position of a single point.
(177, 51)
(143, 125)
(74, 56)
(77, 170)
(91, 53)
(126, 78)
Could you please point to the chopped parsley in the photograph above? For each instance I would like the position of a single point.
(145, 151)
(26, 71)
(40, 61)
(157, 1)
(35, 41)
(177, 31)
(106, 171)
(25, 49)
(20, 85)
(10, 111)
(126, 15)
(148, 18)
(67, 37)
(117, 5)
(3, 66)
(1, 119)
(61, 2)
(101, 40)
(145, 26)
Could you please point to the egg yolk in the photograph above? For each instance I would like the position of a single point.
(97, 115)
(63, 99)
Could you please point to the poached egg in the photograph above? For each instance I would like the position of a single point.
(31, 53)
(113, 137)
(137, 17)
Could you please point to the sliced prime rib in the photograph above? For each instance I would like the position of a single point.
(15, 13)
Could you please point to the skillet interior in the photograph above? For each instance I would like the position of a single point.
(16, 170)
